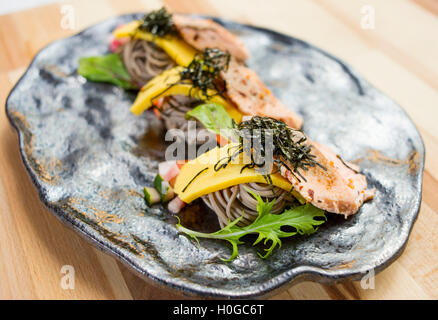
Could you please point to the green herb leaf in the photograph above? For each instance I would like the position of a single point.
(267, 225)
(107, 68)
(214, 118)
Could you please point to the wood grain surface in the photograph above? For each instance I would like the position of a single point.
(399, 56)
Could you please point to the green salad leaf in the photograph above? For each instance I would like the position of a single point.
(109, 68)
(267, 225)
(214, 118)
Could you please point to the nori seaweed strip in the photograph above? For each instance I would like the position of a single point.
(201, 171)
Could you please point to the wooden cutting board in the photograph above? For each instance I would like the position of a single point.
(399, 56)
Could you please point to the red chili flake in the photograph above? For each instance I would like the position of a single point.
(311, 193)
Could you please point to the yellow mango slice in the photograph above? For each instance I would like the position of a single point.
(128, 30)
(160, 86)
(181, 52)
(210, 180)
(164, 85)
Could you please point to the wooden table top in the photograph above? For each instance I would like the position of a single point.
(399, 56)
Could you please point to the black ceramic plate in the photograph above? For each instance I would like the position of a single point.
(89, 157)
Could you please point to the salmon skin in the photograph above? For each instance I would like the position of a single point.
(243, 87)
(252, 97)
(340, 188)
(205, 33)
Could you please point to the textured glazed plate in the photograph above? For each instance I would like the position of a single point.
(89, 158)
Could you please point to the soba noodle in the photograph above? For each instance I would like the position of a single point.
(144, 60)
(173, 113)
(235, 201)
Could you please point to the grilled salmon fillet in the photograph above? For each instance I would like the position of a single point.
(253, 98)
(338, 189)
(205, 33)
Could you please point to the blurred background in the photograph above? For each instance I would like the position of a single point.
(8, 7)
(392, 43)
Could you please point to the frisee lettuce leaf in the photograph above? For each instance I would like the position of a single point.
(214, 118)
(109, 68)
(267, 225)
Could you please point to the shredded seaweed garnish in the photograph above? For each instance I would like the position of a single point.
(345, 164)
(290, 148)
(204, 70)
(158, 22)
(223, 162)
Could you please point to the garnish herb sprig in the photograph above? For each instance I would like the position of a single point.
(158, 22)
(303, 219)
